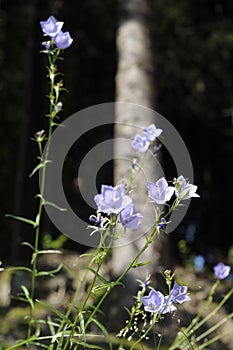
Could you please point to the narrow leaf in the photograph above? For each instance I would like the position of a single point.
(54, 205)
(28, 245)
(105, 332)
(39, 166)
(20, 218)
(49, 273)
(58, 313)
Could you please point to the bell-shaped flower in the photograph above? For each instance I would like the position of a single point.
(140, 143)
(130, 218)
(151, 132)
(63, 40)
(160, 192)
(168, 306)
(185, 190)
(154, 302)
(179, 294)
(112, 199)
(221, 270)
(51, 27)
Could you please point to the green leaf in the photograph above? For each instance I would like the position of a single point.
(54, 205)
(49, 273)
(51, 326)
(106, 286)
(105, 332)
(101, 278)
(141, 264)
(39, 166)
(49, 251)
(20, 218)
(27, 296)
(58, 313)
(28, 245)
(19, 268)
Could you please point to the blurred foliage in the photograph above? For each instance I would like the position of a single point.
(50, 243)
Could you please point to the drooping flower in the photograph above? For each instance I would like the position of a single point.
(221, 270)
(151, 132)
(184, 190)
(63, 40)
(140, 143)
(160, 192)
(112, 199)
(179, 294)
(130, 218)
(51, 27)
(154, 302)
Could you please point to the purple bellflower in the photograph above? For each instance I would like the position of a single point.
(130, 218)
(47, 45)
(179, 294)
(154, 302)
(160, 192)
(221, 270)
(162, 223)
(140, 143)
(112, 199)
(51, 27)
(63, 40)
(168, 306)
(151, 132)
(185, 190)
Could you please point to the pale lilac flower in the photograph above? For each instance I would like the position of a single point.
(168, 306)
(151, 132)
(51, 27)
(154, 302)
(160, 192)
(47, 45)
(140, 143)
(162, 223)
(63, 40)
(185, 190)
(130, 218)
(179, 294)
(112, 199)
(221, 270)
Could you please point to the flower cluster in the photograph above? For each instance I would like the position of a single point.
(142, 143)
(157, 302)
(52, 28)
(114, 200)
(161, 193)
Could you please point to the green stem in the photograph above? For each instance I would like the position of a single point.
(53, 97)
(90, 289)
(155, 319)
(195, 325)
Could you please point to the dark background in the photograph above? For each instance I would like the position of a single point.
(193, 47)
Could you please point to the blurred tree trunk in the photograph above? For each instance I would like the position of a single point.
(134, 84)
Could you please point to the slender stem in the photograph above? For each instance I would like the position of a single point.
(90, 289)
(53, 98)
